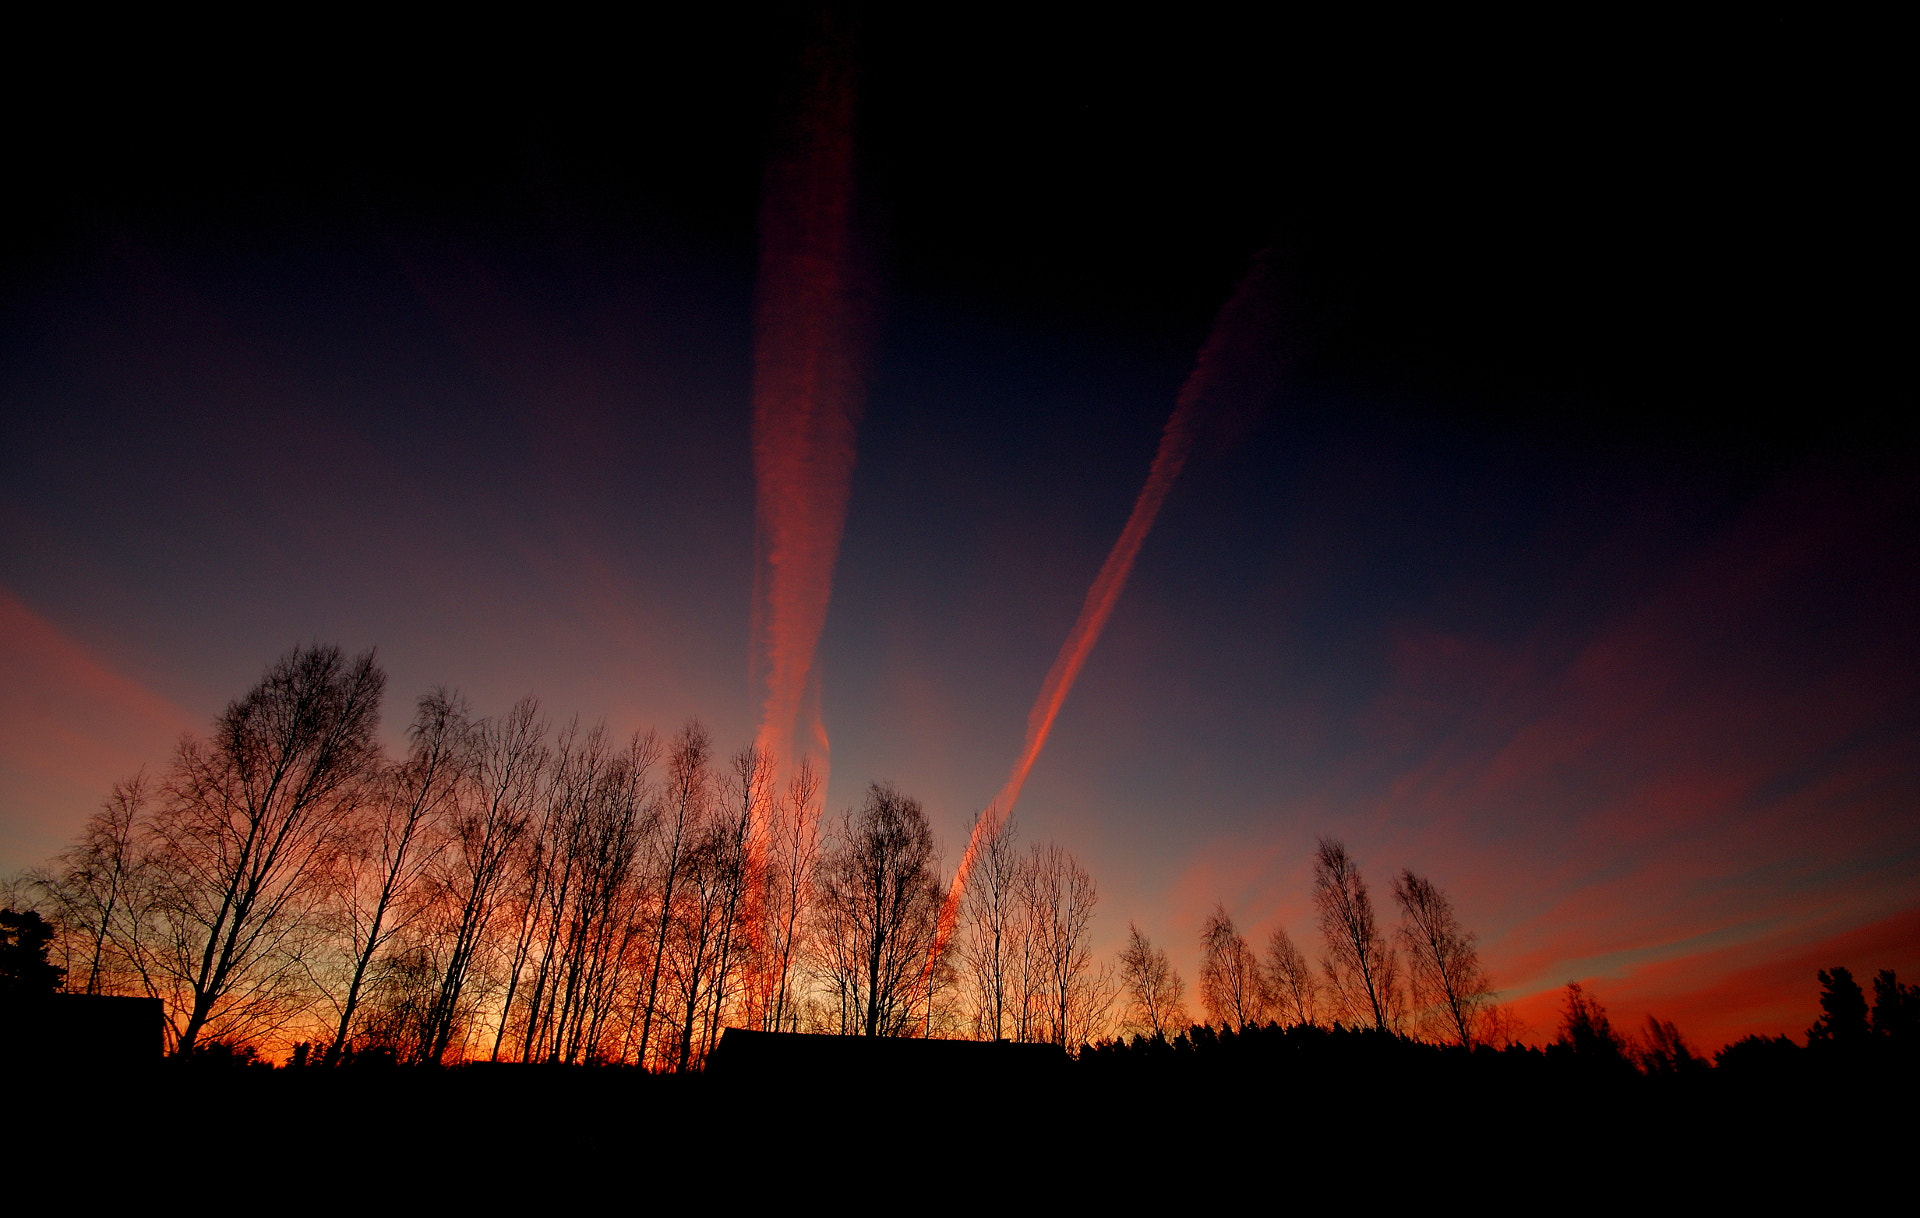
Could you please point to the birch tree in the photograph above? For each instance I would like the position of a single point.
(1229, 973)
(1062, 896)
(788, 880)
(1449, 988)
(993, 921)
(250, 822)
(683, 813)
(472, 874)
(879, 902)
(385, 863)
(98, 891)
(1292, 992)
(1154, 989)
(1360, 966)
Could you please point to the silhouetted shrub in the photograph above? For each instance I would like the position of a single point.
(1756, 1056)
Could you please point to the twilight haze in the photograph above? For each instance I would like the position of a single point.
(1541, 532)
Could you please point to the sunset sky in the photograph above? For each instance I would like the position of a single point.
(1542, 528)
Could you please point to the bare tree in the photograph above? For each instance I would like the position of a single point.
(751, 778)
(96, 890)
(993, 921)
(1062, 896)
(709, 942)
(693, 973)
(609, 928)
(396, 1003)
(1449, 988)
(879, 904)
(788, 880)
(1154, 990)
(471, 875)
(682, 816)
(577, 901)
(251, 821)
(1291, 989)
(386, 859)
(550, 870)
(1028, 982)
(1229, 973)
(1360, 967)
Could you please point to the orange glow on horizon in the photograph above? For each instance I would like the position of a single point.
(1765, 986)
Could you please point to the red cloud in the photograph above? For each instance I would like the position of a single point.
(1764, 986)
(66, 716)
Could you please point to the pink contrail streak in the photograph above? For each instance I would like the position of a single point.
(810, 330)
(1241, 320)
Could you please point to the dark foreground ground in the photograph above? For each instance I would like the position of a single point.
(1368, 1123)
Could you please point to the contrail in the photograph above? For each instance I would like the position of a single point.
(1243, 324)
(809, 382)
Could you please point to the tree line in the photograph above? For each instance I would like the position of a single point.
(507, 890)
(1423, 979)
(1851, 1040)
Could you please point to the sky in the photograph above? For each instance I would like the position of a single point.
(1544, 519)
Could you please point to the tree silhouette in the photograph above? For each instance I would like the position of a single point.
(25, 971)
(1154, 990)
(1448, 984)
(472, 873)
(1359, 964)
(1666, 1051)
(788, 880)
(1586, 1031)
(251, 822)
(879, 903)
(97, 886)
(390, 850)
(1759, 1056)
(683, 813)
(1291, 989)
(1060, 897)
(748, 798)
(995, 926)
(1896, 1011)
(1229, 973)
(577, 882)
(1843, 1021)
